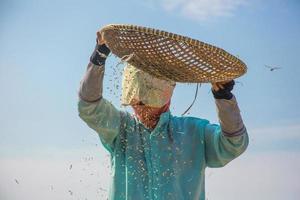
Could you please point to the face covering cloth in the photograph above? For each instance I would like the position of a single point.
(140, 86)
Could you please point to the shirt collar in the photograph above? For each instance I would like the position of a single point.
(162, 123)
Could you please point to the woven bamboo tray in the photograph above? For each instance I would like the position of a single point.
(170, 56)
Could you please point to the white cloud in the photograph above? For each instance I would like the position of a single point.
(276, 137)
(279, 131)
(264, 176)
(202, 10)
(48, 178)
(272, 175)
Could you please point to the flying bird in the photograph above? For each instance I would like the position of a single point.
(272, 68)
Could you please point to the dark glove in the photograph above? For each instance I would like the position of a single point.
(100, 54)
(224, 93)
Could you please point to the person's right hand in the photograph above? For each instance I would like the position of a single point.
(101, 51)
(100, 38)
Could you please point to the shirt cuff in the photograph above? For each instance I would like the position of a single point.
(242, 131)
(99, 55)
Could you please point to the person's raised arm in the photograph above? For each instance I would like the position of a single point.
(230, 139)
(91, 86)
(96, 111)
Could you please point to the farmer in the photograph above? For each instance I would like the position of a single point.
(155, 155)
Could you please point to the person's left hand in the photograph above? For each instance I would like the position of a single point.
(222, 90)
(216, 86)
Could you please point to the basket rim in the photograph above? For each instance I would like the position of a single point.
(162, 33)
(178, 38)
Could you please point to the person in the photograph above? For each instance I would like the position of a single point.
(155, 155)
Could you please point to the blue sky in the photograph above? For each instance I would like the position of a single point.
(45, 47)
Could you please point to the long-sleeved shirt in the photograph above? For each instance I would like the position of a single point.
(168, 162)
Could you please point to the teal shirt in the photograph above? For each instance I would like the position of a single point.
(167, 163)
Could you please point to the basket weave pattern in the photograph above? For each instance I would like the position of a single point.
(171, 56)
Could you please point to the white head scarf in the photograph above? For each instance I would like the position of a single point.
(141, 86)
